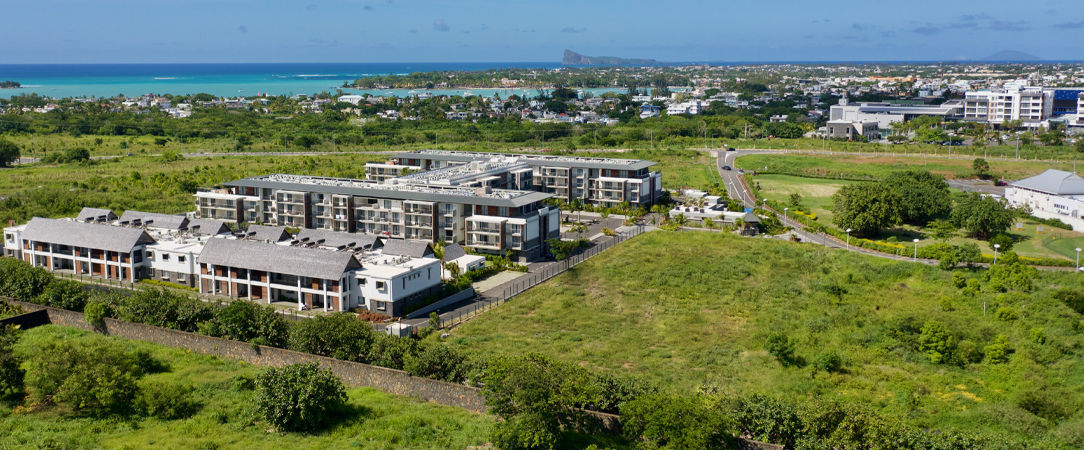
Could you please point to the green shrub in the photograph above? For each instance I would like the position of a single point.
(165, 308)
(437, 361)
(64, 294)
(959, 280)
(166, 401)
(250, 322)
(21, 281)
(87, 373)
(1003, 241)
(768, 419)
(1006, 314)
(936, 342)
(339, 336)
(299, 397)
(95, 313)
(781, 347)
(946, 304)
(526, 431)
(659, 421)
(828, 361)
(11, 375)
(998, 352)
(391, 351)
(1072, 298)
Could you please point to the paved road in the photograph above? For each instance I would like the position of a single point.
(741, 190)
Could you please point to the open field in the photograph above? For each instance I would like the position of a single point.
(147, 182)
(693, 310)
(1007, 150)
(877, 167)
(225, 418)
(816, 192)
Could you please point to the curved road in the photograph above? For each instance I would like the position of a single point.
(736, 186)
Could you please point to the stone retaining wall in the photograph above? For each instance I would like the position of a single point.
(356, 374)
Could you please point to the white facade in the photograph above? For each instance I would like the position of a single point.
(386, 280)
(1054, 194)
(1026, 104)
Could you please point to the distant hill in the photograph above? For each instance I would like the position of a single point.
(572, 58)
(1011, 56)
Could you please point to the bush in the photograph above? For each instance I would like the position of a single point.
(391, 351)
(11, 375)
(437, 361)
(1006, 314)
(64, 294)
(339, 336)
(660, 421)
(87, 373)
(936, 342)
(998, 352)
(768, 419)
(1074, 299)
(526, 431)
(166, 401)
(21, 281)
(1003, 241)
(781, 347)
(563, 249)
(299, 397)
(828, 361)
(250, 322)
(165, 308)
(95, 313)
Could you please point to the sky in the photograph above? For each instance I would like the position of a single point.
(179, 31)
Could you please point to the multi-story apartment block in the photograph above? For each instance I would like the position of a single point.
(106, 251)
(430, 212)
(315, 276)
(382, 172)
(997, 106)
(595, 181)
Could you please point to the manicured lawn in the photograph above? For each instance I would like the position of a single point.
(693, 310)
(878, 167)
(226, 419)
(816, 192)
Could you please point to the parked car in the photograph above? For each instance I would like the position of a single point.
(726, 167)
(730, 149)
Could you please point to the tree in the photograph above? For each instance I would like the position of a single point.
(9, 153)
(937, 342)
(299, 397)
(88, 373)
(982, 217)
(796, 200)
(941, 229)
(662, 421)
(64, 294)
(437, 361)
(1003, 240)
(981, 168)
(867, 209)
(21, 281)
(768, 419)
(339, 336)
(250, 322)
(925, 196)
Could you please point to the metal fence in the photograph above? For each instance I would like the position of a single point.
(486, 302)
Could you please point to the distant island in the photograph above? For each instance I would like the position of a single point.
(1011, 56)
(9, 84)
(572, 58)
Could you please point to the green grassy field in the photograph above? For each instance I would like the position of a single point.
(817, 193)
(225, 418)
(147, 182)
(877, 167)
(692, 311)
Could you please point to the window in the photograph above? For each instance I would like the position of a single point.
(381, 306)
(165, 257)
(380, 285)
(180, 258)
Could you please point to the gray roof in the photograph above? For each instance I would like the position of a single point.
(586, 162)
(83, 234)
(453, 251)
(93, 214)
(164, 221)
(1055, 182)
(208, 227)
(363, 188)
(338, 238)
(403, 247)
(267, 233)
(252, 255)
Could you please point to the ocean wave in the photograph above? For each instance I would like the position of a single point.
(165, 78)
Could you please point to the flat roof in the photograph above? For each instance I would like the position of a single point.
(588, 162)
(349, 186)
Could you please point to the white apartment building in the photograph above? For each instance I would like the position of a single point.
(1053, 194)
(1015, 102)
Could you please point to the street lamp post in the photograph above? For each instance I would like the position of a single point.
(786, 215)
(848, 239)
(1078, 258)
(916, 249)
(996, 246)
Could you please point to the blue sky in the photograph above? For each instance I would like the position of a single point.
(144, 31)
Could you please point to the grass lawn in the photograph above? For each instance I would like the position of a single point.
(878, 167)
(816, 192)
(693, 310)
(225, 418)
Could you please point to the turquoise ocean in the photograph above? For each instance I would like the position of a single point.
(232, 80)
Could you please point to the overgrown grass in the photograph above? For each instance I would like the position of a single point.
(877, 167)
(693, 311)
(225, 418)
